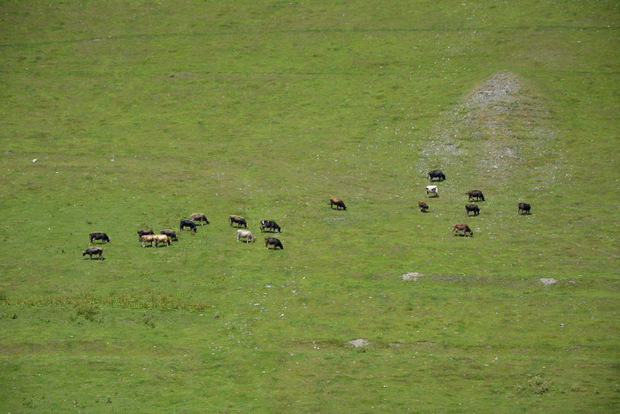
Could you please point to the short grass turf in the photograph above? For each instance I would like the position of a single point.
(118, 116)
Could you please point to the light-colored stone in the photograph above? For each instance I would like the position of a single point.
(414, 276)
(359, 342)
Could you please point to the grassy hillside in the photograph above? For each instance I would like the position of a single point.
(118, 116)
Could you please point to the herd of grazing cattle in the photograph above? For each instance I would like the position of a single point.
(166, 236)
(474, 195)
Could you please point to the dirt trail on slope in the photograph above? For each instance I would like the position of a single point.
(500, 125)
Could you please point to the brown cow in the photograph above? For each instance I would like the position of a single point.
(524, 208)
(240, 221)
(423, 206)
(475, 194)
(461, 230)
(337, 202)
(199, 217)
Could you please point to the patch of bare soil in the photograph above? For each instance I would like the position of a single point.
(411, 276)
(546, 281)
(359, 342)
(499, 124)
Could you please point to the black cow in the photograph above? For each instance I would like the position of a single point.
(472, 208)
(423, 206)
(337, 202)
(524, 208)
(144, 232)
(436, 175)
(240, 221)
(99, 236)
(170, 233)
(97, 251)
(188, 223)
(475, 194)
(269, 225)
(272, 241)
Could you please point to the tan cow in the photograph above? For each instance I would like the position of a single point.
(154, 239)
(240, 221)
(199, 218)
(337, 202)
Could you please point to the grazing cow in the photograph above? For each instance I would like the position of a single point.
(199, 217)
(161, 238)
(272, 241)
(461, 230)
(188, 223)
(270, 225)
(97, 251)
(154, 239)
(524, 208)
(423, 206)
(99, 236)
(337, 202)
(247, 235)
(147, 238)
(240, 221)
(436, 175)
(170, 233)
(144, 232)
(475, 194)
(432, 189)
(472, 208)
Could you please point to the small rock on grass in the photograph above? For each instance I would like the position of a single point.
(359, 342)
(414, 276)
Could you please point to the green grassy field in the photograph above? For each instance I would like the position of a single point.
(141, 113)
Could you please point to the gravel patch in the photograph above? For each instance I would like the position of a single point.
(413, 276)
(499, 88)
(498, 125)
(359, 342)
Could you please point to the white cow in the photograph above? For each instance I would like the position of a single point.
(247, 235)
(432, 189)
